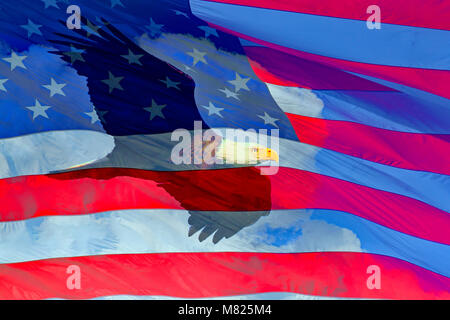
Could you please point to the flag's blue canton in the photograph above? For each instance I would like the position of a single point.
(136, 93)
(39, 93)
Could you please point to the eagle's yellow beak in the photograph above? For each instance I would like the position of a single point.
(267, 154)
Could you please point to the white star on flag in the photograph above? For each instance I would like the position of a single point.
(212, 109)
(55, 88)
(39, 110)
(16, 60)
(156, 110)
(93, 115)
(2, 82)
(229, 93)
(198, 56)
(240, 83)
(268, 119)
(133, 58)
(113, 82)
(32, 28)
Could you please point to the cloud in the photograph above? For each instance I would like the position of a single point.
(295, 231)
(44, 152)
(297, 100)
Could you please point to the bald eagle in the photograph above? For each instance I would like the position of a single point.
(127, 88)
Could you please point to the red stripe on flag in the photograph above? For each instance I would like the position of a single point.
(415, 13)
(200, 275)
(416, 151)
(239, 189)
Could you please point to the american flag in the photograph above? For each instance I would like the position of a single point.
(358, 207)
